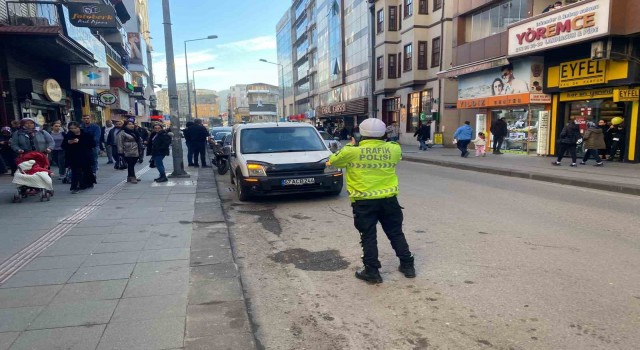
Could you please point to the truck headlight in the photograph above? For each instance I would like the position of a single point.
(328, 168)
(256, 170)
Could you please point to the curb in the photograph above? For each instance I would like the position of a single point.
(610, 187)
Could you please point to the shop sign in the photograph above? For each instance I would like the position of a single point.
(540, 98)
(356, 107)
(107, 98)
(86, 39)
(543, 133)
(88, 77)
(94, 100)
(586, 94)
(52, 90)
(520, 77)
(577, 23)
(495, 101)
(582, 72)
(626, 95)
(92, 15)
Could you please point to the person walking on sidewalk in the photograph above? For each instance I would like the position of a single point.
(618, 142)
(569, 137)
(129, 147)
(27, 138)
(424, 134)
(499, 130)
(199, 139)
(158, 148)
(593, 143)
(57, 154)
(103, 141)
(393, 132)
(462, 137)
(78, 146)
(186, 134)
(481, 144)
(372, 184)
(7, 154)
(95, 131)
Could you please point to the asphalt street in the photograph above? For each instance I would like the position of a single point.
(503, 263)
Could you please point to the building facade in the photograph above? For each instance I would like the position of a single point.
(410, 50)
(263, 102)
(238, 103)
(329, 53)
(541, 67)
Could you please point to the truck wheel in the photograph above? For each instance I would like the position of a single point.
(243, 196)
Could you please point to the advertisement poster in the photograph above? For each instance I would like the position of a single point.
(543, 133)
(136, 48)
(525, 76)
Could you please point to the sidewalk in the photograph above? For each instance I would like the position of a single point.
(122, 266)
(613, 176)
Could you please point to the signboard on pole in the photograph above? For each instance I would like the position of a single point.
(92, 15)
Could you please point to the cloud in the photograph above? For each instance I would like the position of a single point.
(197, 60)
(261, 43)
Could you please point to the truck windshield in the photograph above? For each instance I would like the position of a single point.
(280, 139)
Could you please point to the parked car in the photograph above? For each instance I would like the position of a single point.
(333, 143)
(276, 158)
(218, 129)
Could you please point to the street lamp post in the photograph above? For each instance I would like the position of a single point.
(282, 81)
(195, 92)
(186, 64)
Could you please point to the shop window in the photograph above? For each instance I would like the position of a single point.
(422, 7)
(422, 55)
(495, 19)
(391, 110)
(437, 4)
(391, 66)
(393, 19)
(380, 68)
(435, 52)
(408, 8)
(426, 104)
(380, 21)
(408, 54)
(413, 111)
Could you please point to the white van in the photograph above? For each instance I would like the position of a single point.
(277, 158)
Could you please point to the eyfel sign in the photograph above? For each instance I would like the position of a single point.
(587, 21)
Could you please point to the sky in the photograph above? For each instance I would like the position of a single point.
(246, 31)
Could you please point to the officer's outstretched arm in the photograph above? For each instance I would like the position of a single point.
(344, 156)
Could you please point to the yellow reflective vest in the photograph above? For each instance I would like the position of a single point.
(370, 169)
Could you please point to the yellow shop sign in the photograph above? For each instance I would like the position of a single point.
(586, 94)
(626, 95)
(582, 72)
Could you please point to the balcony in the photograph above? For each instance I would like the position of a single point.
(32, 14)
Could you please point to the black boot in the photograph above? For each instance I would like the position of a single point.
(369, 275)
(407, 268)
(162, 178)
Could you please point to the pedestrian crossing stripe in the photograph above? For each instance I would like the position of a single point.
(374, 193)
(371, 166)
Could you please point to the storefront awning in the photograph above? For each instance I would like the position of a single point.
(454, 72)
(46, 42)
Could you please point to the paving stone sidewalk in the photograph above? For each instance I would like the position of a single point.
(150, 268)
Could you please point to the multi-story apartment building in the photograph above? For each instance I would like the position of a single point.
(541, 67)
(238, 103)
(207, 104)
(327, 43)
(263, 102)
(412, 46)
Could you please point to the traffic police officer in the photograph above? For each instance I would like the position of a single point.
(373, 189)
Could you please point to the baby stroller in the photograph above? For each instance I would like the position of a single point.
(33, 177)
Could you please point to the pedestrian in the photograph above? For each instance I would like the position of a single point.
(569, 137)
(27, 138)
(112, 142)
(481, 144)
(103, 140)
(95, 131)
(462, 137)
(186, 133)
(393, 132)
(499, 130)
(618, 142)
(424, 134)
(57, 155)
(199, 138)
(129, 148)
(593, 142)
(144, 136)
(7, 154)
(78, 146)
(372, 185)
(159, 143)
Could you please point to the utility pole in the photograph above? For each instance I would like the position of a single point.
(176, 142)
(372, 59)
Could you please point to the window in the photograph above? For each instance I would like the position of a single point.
(399, 64)
(393, 19)
(408, 54)
(380, 21)
(422, 7)
(435, 52)
(422, 55)
(391, 66)
(399, 18)
(408, 8)
(495, 19)
(413, 111)
(437, 4)
(380, 68)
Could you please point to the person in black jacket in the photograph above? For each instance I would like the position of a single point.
(424, 134)
(499, 130)
(78, 146)
(199, 136)
(186, 133)
(112, 141)
(159, 143)
(569, 137)
(618, 141)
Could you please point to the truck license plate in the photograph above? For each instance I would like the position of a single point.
(297, 182)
